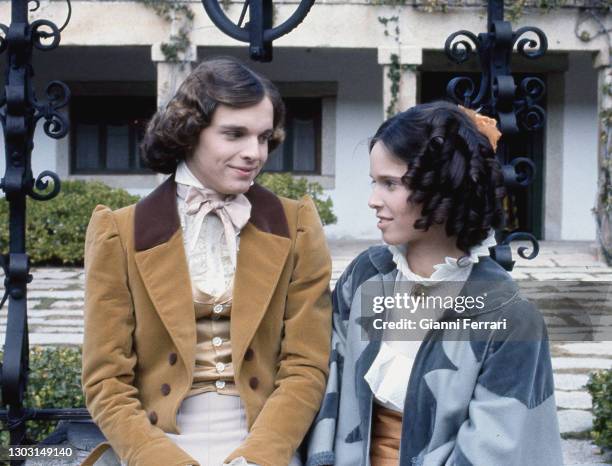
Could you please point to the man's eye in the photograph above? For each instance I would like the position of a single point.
(390, 184)
(233, 134)
(265, 139)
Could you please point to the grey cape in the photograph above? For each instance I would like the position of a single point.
(483, 399)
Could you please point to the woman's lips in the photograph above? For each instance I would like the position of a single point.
(383, 222)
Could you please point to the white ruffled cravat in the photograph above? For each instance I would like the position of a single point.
(389, 373)
(233, 211)
(211, 245)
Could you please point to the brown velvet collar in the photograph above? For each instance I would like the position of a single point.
(156, 216)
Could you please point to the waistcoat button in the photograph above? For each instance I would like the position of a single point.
(172, 358)
(165, 389)
(249, 354)
(153, 417)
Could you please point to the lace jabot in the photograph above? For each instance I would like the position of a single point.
(211, 255)
(390, 371)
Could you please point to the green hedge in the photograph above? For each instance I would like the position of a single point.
(54, 382)
(284, 184)
(56, 229)
(600, 388)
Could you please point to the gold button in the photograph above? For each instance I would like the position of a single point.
(220, 367)
(218, 309)
(217, 341)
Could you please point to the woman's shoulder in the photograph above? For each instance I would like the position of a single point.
(371, 262)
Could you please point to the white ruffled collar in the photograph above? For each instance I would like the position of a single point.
(451, 269)
(185, 176)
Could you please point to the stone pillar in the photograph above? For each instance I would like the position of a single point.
(171, 74)
(603, 65)
(399, 62)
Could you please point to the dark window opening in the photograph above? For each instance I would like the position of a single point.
(106, 132)
(300, 152)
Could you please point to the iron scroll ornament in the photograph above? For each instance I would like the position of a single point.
(516, 107)
(258, 32)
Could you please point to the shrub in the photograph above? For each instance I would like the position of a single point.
(54, 382)
(600, 388)
(283, 184)
(55, 229)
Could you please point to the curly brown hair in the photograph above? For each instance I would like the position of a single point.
(173, 132)
(452, 173)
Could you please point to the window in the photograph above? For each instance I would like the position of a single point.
(106, 132)
(300, 152)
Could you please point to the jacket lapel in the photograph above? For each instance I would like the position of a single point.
(264, 248)
(161, 261)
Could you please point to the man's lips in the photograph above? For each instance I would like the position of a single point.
(244, 170)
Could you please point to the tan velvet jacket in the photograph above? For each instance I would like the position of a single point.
(140, 334)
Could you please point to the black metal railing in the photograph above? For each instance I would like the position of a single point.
(516, 107)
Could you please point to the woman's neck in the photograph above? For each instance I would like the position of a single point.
(431, 249)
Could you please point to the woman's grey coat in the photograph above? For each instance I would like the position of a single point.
(486, 399)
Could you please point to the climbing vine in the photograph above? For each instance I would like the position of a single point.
(395, 68)
(170, 11)
(595, 18)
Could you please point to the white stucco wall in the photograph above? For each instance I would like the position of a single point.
(579, 178)
(358, 115)
(342, 51)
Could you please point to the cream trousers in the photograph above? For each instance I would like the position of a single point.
(211, 427)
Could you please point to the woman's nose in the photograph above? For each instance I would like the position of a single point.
(374, 201)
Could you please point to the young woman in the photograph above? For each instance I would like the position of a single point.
(207, 314)
(459, 396)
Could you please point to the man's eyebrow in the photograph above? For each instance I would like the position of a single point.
(233, 127)
(244, 129)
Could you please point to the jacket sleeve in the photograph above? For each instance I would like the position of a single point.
(512, 418)
(108, 354)
(304, 352)
(322, 436)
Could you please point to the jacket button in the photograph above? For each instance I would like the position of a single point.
(153, 417)
(249, 354)
(165, 389)
(172, 358)
(253, 382)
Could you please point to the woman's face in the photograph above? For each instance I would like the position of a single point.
(389, 198)
(232, 150)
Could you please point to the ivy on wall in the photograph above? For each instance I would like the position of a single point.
(170, 11)
(590, 26)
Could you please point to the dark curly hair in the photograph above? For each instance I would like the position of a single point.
(452, 170)
(173, 132)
